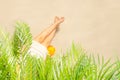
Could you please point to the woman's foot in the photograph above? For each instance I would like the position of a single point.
(56, 20)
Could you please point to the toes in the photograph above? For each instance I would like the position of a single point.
(61, 20)
(62, 17)
(58, 20)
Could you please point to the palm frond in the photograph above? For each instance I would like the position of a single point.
(22, 38)
(17, 64)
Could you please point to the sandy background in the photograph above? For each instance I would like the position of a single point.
(95, 24)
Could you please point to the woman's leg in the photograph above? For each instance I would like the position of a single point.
(39, 50)
(49, 39)
(50, 31)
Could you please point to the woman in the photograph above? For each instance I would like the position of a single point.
(43, 40)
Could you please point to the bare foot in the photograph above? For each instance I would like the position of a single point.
(58, 20)
(55, 20)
